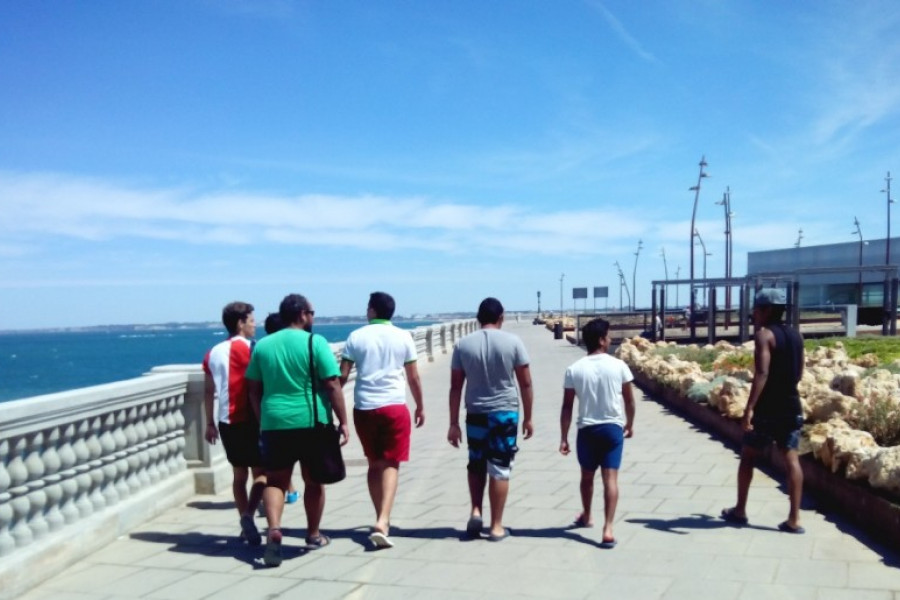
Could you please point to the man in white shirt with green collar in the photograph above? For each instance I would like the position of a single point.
(385, 358)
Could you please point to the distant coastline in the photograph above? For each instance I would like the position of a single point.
(175, 325)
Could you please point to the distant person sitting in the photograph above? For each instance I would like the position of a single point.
(385, 359)
(229, 415)
(273, 325)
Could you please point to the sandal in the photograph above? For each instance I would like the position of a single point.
(728, 514)
(319, 541)
(581, 522)
(786, 527)
(272, 556)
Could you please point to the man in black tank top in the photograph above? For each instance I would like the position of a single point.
(773, 412)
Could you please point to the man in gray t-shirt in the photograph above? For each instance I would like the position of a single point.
(490, 363)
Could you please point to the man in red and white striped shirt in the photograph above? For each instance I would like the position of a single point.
(228, 412)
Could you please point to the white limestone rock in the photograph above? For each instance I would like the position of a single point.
(883, 468)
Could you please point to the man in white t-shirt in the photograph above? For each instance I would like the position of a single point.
(602, 384)
(385, 358)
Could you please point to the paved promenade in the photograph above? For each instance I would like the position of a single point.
(674, 481)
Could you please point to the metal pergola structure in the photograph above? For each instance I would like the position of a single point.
(748, 284)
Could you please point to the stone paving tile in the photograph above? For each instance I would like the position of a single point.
(320, 590)
(196, 585)
(693, 589)
(143, 582)
(873, 576)
(826, 573)
(88, 578)
(853, 594)
(769, 591)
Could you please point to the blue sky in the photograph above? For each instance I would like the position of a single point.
(159, 159)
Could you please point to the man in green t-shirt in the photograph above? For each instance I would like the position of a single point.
(281, 391)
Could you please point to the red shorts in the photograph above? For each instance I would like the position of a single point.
(384, 432)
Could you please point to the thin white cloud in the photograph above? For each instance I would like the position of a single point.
(623, 34)
(43, 208)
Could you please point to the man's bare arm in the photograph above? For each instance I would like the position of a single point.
(523, 376)
(457, 379)
(346, 367)
(332, 387)
(415, 388)
(565, 419)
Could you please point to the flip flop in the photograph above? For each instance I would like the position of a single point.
(474, 526)
(729, 515)
(272, 556)
(786, 527)
(320, 541)
(499, 538)
(249, 531)
(580, 522)
(380, 540)
(608, 544)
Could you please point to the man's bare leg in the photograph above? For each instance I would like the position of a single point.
(745, 477)
(273, 497)
(794, 485)
(239, 489)
(313, 502)
(477, 481)
(610, 479)
(587, 496)
(382, 478)
(498, 489)
(256, 490)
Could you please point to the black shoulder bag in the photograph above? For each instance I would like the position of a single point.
(328, 465)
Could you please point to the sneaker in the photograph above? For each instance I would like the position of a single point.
(249, 531)
(272, 557)
(291, 497)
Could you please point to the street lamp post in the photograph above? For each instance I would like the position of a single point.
(887, 190)
(634, 275)
(662, 252)
(677, 275)
(861, 243)
(696, 190)
(726, 204)
(622, 284)
(561, 313)
(705, 254)
(799, 238)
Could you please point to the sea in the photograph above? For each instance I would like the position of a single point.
(44, 362)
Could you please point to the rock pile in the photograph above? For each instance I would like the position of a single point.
(832, 388)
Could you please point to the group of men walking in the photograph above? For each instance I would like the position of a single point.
(264, 400)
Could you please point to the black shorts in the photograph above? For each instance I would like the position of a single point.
(241, 443)
(783, 432)
(281, 448)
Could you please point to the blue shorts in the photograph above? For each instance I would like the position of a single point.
(492, 442)
(784, 433)
(600, 446)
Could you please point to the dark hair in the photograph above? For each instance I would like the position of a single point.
(273, 323)
(383, 305)
(593, 332)
(776, 313)
(291, 308)
(489, 311)
(234, 313)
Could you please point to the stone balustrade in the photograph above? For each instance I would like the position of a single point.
(81, 467)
